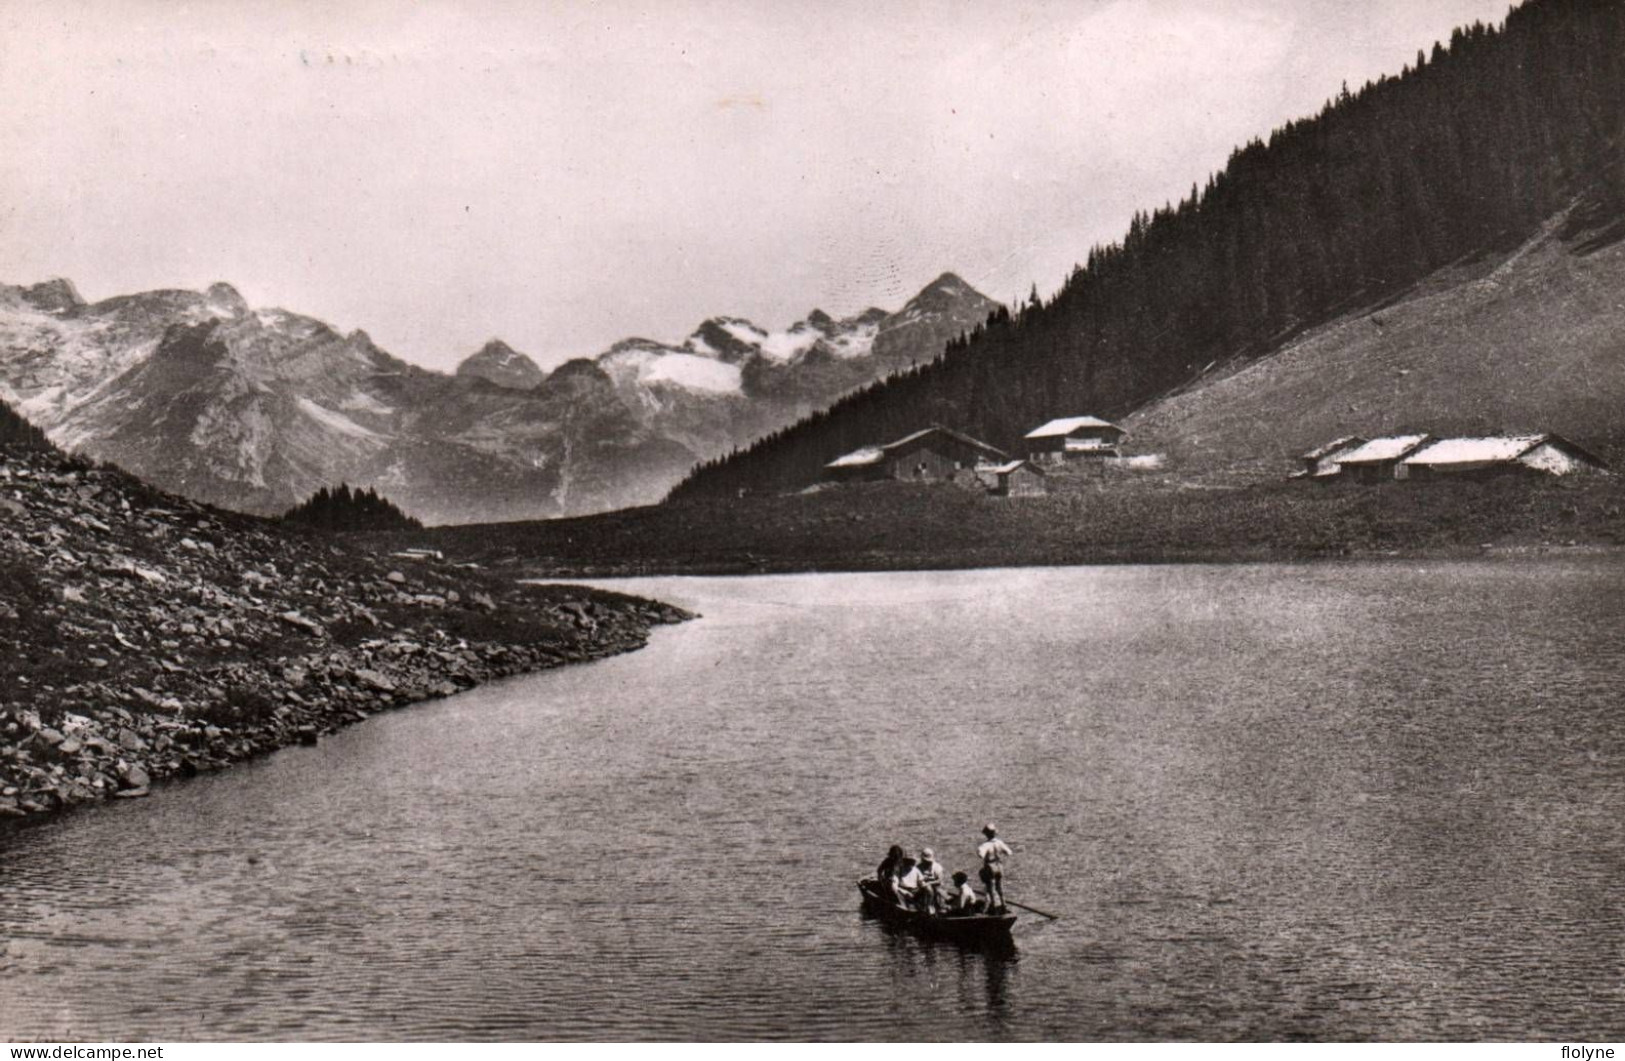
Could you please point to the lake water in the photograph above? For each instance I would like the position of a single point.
(1344, 801)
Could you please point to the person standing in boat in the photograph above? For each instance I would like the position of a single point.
(994, 853)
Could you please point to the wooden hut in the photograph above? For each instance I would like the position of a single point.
(1073, 438)
(1015, 479)
(1490, 456)
(931, 455)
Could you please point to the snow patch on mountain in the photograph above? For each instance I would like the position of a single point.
(787, 346)
(335, 421)
(858, 342)
(362, 402)
(745, 332)
(693, 372)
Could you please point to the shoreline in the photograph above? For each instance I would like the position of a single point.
(149, 637)
(119, 753)
(636, 569)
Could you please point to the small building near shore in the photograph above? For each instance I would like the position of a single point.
(1491, 456)
(1321, 464)
(1073, 438)
(932, 455)
(1014, 479)
(1379, 459)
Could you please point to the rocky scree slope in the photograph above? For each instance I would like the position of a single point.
(149, 637)
(257, 409)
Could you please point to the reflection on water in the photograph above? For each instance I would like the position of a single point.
(1323, 802)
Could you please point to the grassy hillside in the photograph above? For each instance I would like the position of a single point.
(1527, 342)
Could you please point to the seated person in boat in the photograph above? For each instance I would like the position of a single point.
(962, 900)
(932, 874)
(909, 884)
(886, 872)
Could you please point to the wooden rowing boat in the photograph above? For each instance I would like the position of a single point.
(968, 930)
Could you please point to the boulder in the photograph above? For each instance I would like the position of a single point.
(132, 775)
(310, 626)
(374, 680)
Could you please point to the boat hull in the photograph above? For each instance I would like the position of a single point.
(973, 930)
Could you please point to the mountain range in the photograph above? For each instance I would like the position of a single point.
(256, 409)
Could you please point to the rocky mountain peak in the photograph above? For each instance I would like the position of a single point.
(497, 362)
(945, 301)
(946, 289)
(57, 295)
(224, 299)
(730, 339)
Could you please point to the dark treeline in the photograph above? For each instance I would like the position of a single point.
(350, 510)
(1469, 150)
(15, 430)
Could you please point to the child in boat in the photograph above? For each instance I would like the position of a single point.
(962, 899)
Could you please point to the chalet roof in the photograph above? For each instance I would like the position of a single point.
(1006, 469)
(1378, 450)
(1346, 442)
(859, 458)
(1494, 449)
(1068, 424)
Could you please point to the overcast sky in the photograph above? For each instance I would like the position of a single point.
(563, 175)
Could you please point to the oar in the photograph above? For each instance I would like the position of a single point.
(1024, 906)
(1032, 909)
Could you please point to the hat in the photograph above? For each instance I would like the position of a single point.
(989, 829)
(928, 855)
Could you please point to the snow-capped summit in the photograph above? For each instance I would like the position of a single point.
(497, 362)
(731, 339)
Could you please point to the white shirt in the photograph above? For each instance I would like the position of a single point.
(995, 850)
(910, 880)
